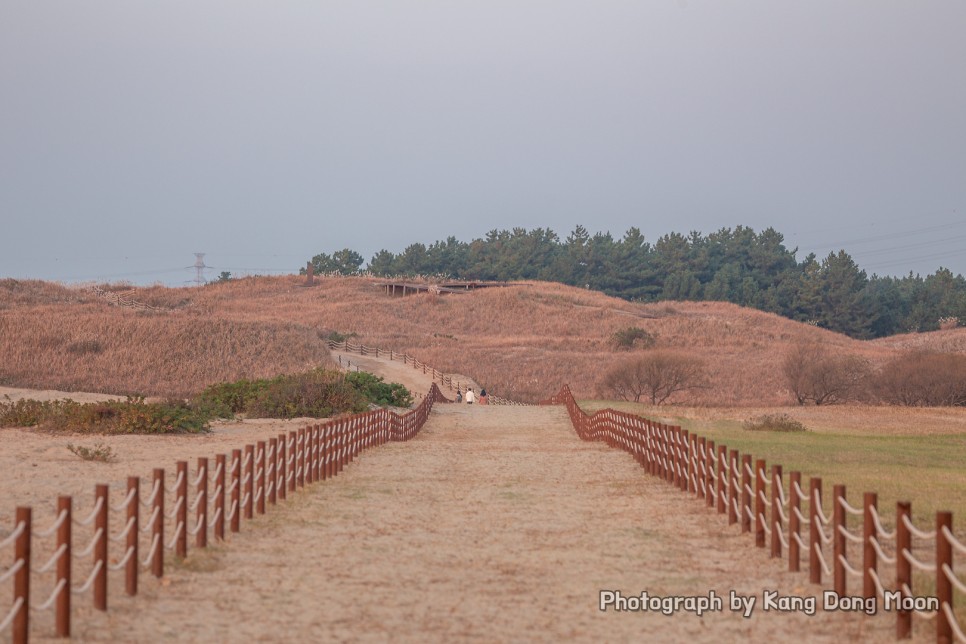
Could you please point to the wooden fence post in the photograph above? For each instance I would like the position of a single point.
(944, 588)
(157, 526)
(272, 475)
(733, 486)
(869, 532)
(21, 580)
(236, 489)
(260, 479)
(815, 530)
(133, 532)
(794, 523)
(760, 481)
(64, 539)
(282, 467)
(181, 522)
(201, 496)
(249, 479)
(903, 567)
(746, 493)
(776, 517)
(839, 544)
(100, 547)
(221, 462)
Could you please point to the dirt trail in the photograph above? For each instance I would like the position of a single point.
(494, 524)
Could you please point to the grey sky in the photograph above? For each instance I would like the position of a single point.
(135, 133)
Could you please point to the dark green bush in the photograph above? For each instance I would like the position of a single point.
(626, 339)
(379, 392)
(316, 394)
(131, 416)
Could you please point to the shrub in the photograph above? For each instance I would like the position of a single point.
(316, 394)
(922, 379)
(379, 392)
(773, 423)
(656, 376)
(626, 339)
(99, 452)
(132, 416)
(82, 347)
(814, 374)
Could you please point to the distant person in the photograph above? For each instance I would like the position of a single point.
(459, 396)
(470, 396)
(483, 399)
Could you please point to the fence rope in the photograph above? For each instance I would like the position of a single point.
(52, 529)
(821, 559)
(882, 555)
(177, 483)
(13, 536)
(123, 562)
(921, 565)
(953, 579)
(155, 542)
(922, 534)
(849, 508)
(825, 539)
(126, 502)
(950, 618)
(124, 532)
(931, 614)
(90, 546)
(14, 611)
(855, 572)
(12, 570)
(174, 539)
(54, 558)
(953, 541)
(799, 541)
(149, 525)
(175, 509)
(879, 588)
(764, 523)
(848, 535)
(214, 518)
(878, 524)
(90, 580)
(802, 519)
(61, 584)
(93, 515)
(817, 502)
(154, 494)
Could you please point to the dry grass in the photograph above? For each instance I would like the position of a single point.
(523, 341)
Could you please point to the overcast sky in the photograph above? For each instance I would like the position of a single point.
(135, 133)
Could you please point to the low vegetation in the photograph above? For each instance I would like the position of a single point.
(131, 416)
(632, 337)
(773, 423)
(99, 452)
(655, 376)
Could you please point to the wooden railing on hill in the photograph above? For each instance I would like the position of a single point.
(444, 380)
(722, 478)
(120, 299)
(246, 483)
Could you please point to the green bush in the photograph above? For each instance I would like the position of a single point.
(379, 392)
(316, 394)
(131, 416)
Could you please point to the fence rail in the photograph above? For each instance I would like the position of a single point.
(882, 563)
(443, 379)
(206, 503)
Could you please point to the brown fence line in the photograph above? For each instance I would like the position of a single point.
(443, 379)
(722, 478)
(120, 300)
(247, 483)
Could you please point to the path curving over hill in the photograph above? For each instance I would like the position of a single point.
(494, 524)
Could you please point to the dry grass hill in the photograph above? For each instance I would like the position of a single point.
(521, 341)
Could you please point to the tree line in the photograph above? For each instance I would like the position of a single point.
(738, 265)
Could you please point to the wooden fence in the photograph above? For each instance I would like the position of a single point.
(890, 566)
(443, 379)
(248, 482)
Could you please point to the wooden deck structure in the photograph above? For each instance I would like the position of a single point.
(401, 289)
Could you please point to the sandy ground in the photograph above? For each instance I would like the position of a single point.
(494, 524)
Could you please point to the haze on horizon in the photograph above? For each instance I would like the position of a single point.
(135, 134)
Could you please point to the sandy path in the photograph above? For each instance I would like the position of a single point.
(494, 524)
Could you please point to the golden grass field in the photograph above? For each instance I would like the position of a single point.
(522, 341)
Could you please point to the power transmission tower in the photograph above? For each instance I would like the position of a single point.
(200, 268)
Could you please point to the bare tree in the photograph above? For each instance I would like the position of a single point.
(815, 374)
(655, 376)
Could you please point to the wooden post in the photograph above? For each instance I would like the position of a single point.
(249, 499)
(221, 462)
(794, 523)
(776, 517)
(869, 532)
(273, 471)
(236, 489)
(710, 480)
(100, 547)
(157, 527)
(700, 468)
(903, 568)
(21, 579)
(733, 487)
(260, 480)
(134, 523)
(181, 520)
(746, 493)
(838, 539)
(64, 506)
(722, 483)
(944, 588)
(282, 467)
(201, 513)
(814, 530)
(760, 503)
(293, 448)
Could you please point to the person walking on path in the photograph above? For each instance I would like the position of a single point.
(459, 396)
(470, 396)
(483, 399)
